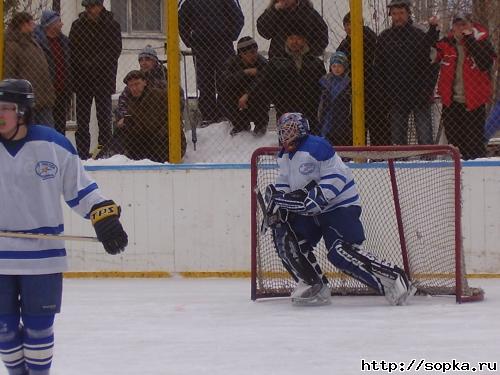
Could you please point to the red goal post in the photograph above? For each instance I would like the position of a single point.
(411, 200)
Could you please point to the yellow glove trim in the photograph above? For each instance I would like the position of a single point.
(103, 212)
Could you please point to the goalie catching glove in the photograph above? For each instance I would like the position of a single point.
(105, 219)
(309, 200)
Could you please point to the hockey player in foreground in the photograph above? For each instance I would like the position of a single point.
(315, 196)
(37, 166)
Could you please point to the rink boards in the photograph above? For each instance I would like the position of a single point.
(194, 220)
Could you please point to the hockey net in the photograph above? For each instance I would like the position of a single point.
(411, 203)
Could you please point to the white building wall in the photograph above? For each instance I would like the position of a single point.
(198, 220)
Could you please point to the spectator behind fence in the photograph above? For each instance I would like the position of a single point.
(375, 110)
(144, 133)
(209, 28)
(335, 117)
(156, 77)
(466, 57)
(25, 59)
(291, 82)
(55, 44)
(95, 44)
(405, 74)
(237, 77)
(281, 15)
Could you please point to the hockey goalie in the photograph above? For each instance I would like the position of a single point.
(315, 196)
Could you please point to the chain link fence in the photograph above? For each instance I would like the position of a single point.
(99, 72)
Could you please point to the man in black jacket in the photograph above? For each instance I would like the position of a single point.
(282, 15)
(238, 76)
(291, 82)
(209, 28)
(95, 45)
(404, 73)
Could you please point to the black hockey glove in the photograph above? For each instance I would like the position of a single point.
(105, 219)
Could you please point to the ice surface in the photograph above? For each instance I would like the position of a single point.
(182, 326)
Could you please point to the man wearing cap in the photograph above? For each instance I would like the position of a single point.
(154, 73)
(55, 44)
(144, 133)
(209, 28)
(95, 44)
(466, 58)
(238, 76)
(24, 59)
(404, 73)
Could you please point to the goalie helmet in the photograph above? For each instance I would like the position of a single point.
(292, 127)
(18, 91)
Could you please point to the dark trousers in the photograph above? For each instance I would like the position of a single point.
(208, 69)
(241, 119)
(60, 111)
(83, 106)
(465, 129)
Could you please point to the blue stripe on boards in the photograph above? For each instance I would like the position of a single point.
(32, 254)
(82, 194)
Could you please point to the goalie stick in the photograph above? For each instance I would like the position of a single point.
(47, 236)
(262, 204)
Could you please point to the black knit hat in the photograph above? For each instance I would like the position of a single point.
(246, 44)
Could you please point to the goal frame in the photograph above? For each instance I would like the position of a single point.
(431, 150)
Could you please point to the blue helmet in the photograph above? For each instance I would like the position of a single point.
(292, 126)
(18, 91)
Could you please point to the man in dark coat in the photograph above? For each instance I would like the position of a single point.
(282, 15)
(209, 28)
(291, 82)
(95, 44)
(239, 73)
(144, 133)
(404, 73)
(56, 47)
(375, 112)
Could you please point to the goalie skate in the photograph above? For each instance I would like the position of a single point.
(311, 295)
(399, 291)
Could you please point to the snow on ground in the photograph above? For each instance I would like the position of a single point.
(214, 145)
(182, 326)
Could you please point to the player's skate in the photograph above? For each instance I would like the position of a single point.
(399, 291)
(311, 295)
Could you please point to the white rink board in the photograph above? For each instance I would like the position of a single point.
(182, 219)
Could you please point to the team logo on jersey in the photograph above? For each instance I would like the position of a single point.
(307, 168)
(46, 169)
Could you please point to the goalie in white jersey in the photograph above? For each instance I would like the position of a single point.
(38, 166)
(315, 196)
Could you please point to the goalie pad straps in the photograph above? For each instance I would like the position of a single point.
(363, 266)
(297, 256)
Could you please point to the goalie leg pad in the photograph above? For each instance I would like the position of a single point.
(386, 278)
(297, 255)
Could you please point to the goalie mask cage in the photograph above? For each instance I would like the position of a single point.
(411, 213)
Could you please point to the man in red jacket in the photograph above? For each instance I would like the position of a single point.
(466, 57)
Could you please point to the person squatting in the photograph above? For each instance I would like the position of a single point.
(38, 165)
(315, 196)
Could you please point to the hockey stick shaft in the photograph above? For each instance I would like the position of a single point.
(58, 237)
(263, 208)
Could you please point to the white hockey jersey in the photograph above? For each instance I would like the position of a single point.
(315, 159)
(34, 173)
